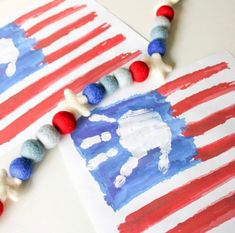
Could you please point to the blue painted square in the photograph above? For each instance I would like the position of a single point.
(147, 173)
(18, 58)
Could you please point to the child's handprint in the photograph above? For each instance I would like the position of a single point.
(139, 131)
(8, 55)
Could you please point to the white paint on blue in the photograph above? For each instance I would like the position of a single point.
(18, 56)
(140, 131)
(149, 142)
(9, 55)
(90, 141)
(100, 158)
(97, 118)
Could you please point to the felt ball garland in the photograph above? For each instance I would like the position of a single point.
(64, 122)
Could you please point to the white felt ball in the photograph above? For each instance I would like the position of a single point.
(123, 77)
(48, 136)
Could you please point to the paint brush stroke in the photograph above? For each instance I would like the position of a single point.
(202, 97)
(36, 28)
(76, 44)
(65, 30)
(209, 218)
(166, 205)
(38, 11)
(32, 90)
(191, 79)
(210, 122)
(218, 147)
(48, 104)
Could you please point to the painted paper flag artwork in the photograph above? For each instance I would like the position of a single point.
(50, 46)
(161, 160)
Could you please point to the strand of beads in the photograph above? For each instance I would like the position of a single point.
(94, 93)
(158, 36)
(64, 122)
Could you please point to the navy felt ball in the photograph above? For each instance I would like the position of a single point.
(157, 46)
(94, 92)
(21, 168)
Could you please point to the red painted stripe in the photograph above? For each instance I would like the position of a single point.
(53, 19)
(200, 127)
(48, 104)
(202, 97)
(38, 11)
(65, 30)
(166, 205)
(35, 88)
(75, 44)
(216, 148)
(191, 79)
(209, 218)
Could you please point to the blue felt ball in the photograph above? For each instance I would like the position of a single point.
(159, 32)
(21, 168)
(94, 92)
(109, 83)
(33, 149)
(49, 136)
(157, 46)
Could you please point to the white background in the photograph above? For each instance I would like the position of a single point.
(50, 204)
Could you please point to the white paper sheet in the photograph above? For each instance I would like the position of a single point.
(104, 218)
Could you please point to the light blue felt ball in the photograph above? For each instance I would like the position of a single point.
(162, 21)
(21, 168)
(33, 149)
(157, 46)
(159, 32)
(124, 77)
(49, 136)
(109, 83)
(94, 92)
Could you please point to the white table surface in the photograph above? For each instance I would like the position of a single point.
(49, 204)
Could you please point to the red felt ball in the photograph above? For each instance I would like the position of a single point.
(1, 208)
(166, 11)
(139, 71)
(64, 122)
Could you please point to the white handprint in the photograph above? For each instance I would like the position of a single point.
(140, 131)
(8, 55)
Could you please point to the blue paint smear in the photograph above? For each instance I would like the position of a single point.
(29, 60)
(146, 175)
